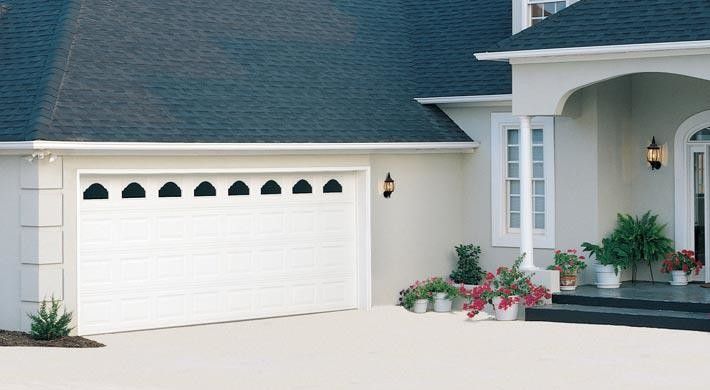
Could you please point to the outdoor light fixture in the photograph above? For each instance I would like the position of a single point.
(653, 155)
(388, 186)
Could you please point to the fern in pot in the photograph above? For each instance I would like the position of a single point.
(643, 240)
(468, 273)
(611, 260)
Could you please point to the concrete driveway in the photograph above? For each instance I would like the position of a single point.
(386, 348)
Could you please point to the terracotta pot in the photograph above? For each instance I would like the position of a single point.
(568, 282)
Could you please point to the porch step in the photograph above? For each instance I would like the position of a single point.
(605, 315)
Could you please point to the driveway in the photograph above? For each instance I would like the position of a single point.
(386, 348)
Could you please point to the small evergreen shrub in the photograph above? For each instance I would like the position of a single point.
(468, 271)
(48, 324)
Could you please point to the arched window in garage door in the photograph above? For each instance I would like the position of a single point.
(95, 191)
(205, 189)
(271, 188)
(170, 190)
(132, 191)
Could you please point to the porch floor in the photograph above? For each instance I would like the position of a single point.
(659, 291)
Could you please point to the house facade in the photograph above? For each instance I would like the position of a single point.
(166, 165)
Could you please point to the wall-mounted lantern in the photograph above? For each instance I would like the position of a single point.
(388, 186)
(653, 155)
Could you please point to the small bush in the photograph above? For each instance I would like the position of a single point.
(48, 324)
(468, 270)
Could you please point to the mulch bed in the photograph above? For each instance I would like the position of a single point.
(22, 339)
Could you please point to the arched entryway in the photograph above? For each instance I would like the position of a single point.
(692, 174)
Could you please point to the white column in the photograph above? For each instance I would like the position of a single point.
(526, 204)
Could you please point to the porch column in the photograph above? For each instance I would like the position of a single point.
(526, 199)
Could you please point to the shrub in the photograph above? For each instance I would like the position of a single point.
(439, 285)
(468, 271)
(48, 324)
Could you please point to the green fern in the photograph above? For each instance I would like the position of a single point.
(48, 324)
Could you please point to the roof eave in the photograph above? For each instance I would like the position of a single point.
(634, 49)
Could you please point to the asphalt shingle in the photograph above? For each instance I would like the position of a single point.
(614, 22)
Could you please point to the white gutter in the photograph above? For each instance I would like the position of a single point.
(232, 147)
(475, 99)
(587, 50)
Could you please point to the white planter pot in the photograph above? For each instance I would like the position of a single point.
(460, 301)
(680, 278)
(509, 314)
(420, 305)
(607, 277)
(441, 303)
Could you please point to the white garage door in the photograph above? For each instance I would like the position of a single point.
(175, 250)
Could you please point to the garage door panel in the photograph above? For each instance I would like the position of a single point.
(155, 262)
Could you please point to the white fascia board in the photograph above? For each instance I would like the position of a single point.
(246, 148)
(639, 49)
(476, 100)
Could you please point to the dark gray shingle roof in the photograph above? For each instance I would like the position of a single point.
(213, 71)
(447, 34)
(615, 22)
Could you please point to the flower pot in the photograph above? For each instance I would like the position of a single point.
(420, 305)
(509, 314)
(441, 303)
(568, 282)
(607, 277)
(461, 300)
(680, 278)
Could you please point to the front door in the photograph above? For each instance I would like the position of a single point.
(698, 183)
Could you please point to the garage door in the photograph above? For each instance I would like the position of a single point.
(161, 250)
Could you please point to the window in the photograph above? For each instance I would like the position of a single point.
(205, 189)
(96, 191)
(505, 180)
(302, 187)
(238, 189)
(701, 136)
(271, 188)
(539, 10)
(332, 186)
(132, 191)
(170, 190)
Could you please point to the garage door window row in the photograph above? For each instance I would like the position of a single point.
(239, 188)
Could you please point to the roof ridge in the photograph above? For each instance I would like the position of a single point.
(54, 71)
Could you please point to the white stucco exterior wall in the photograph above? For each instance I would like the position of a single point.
(10, 234)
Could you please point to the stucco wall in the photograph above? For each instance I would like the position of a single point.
(413, 232)
(10, 232)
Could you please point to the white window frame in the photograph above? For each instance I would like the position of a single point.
(521, 13)
(501, 235)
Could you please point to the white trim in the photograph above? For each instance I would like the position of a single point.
(500, 236)
(474, 100)
(169, 147)
(594, 50)
(684, 236)
(364, 207)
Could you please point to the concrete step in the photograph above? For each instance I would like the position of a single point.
(647, 318)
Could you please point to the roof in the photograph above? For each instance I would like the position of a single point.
(446, 34)
(613, 22)
(217, 71)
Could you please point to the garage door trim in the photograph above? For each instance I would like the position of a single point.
(363, 220)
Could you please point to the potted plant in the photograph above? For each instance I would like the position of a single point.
(569, 264)
(506, 290)
(681, 264)
(442, 293)
(611, 259)
(415, 297)
(468, 272)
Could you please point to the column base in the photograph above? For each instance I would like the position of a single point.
(547, 278)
